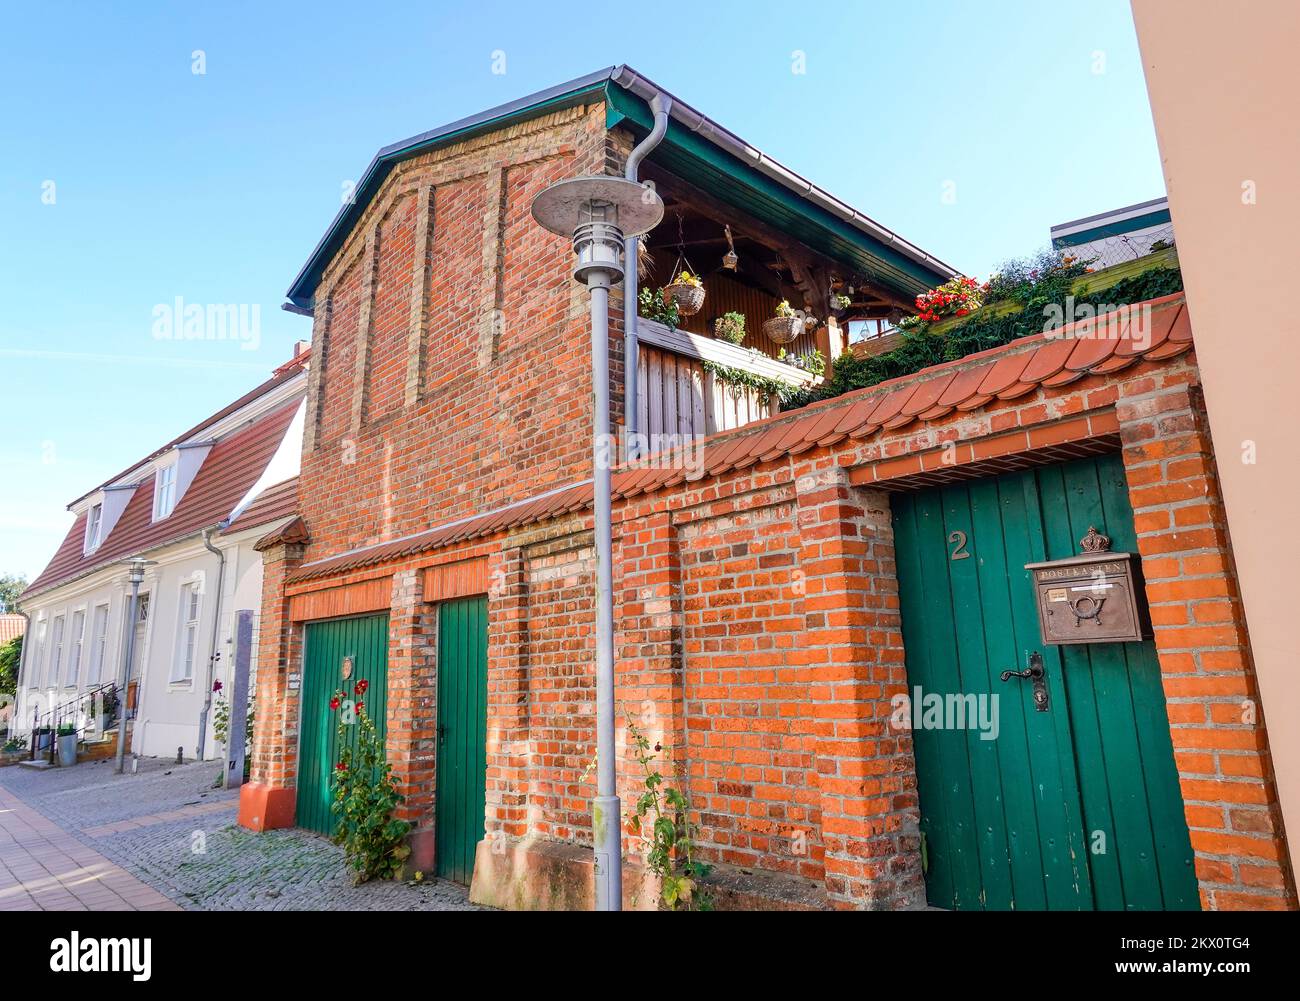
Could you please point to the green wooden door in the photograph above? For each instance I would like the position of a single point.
(462, 735)
(337, 654)
(1074, 808)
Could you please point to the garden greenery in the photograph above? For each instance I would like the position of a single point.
(921, 349)
(365, 796)
(658, 306)
(662, 818)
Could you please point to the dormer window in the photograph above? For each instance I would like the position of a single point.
(94, 527)
(164, 492)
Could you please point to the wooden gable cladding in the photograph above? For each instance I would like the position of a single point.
(350, 599)
(456, 580)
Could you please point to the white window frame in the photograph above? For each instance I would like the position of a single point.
(56, 651)
(34, 660)
(98, 643)
(94, 527)
(189, 619)
(76, 645)
(164, 503)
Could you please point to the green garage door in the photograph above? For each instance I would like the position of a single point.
(337, 654)
(1077, 807)
(462, 735)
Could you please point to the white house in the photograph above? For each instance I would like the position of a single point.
(195, 507)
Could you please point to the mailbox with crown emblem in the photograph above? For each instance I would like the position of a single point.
(1095, 597)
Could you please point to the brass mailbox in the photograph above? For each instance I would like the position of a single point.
(1095, 597)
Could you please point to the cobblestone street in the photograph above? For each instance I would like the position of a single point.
(170, 830)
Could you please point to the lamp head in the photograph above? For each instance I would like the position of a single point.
(598, 213)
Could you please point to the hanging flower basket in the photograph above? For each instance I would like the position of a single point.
(783, 329)
(689, 296)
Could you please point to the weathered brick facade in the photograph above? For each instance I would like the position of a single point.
(758, 629)
(451, 365)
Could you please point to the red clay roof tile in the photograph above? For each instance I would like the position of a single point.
(1004, 372)
(228, 472)
(1047, 360)
(964, 386)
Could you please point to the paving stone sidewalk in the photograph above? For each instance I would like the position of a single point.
(167, 827)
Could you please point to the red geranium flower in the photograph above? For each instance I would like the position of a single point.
(362, 685)
(334, 702)
(341, 767)
(360, 705)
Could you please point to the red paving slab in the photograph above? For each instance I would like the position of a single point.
(44, 868)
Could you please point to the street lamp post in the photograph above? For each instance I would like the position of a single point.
(598, 213)
(135, 577)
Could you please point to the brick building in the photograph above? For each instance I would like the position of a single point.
(776, 594)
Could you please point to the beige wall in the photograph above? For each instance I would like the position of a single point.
(1224, 80)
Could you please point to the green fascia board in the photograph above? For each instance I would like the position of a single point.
(695, 159)
(684, 153)
(1123, 226)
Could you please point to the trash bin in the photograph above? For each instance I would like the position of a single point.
(68, 748)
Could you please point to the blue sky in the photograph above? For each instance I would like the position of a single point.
(214, 187)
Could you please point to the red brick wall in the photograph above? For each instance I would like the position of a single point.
(451, 349)
(759, 642)
(750, 745)
(1220, 739)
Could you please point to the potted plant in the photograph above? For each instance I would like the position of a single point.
(687, 290)
(787, 324)
(96, 712)
(67, 744)
(658, 307)
(730, 327)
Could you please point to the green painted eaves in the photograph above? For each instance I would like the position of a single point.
(726, 177)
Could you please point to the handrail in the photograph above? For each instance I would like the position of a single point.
(53, 718)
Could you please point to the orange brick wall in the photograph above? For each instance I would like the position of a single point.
(451, 349)
(759, 641)
(1220, 739)
(757, 622)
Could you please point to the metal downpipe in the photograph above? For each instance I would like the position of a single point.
(212, 649)
(661, 105)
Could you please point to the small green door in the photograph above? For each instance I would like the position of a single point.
(462, 735)
(338, 653)
(1075, 808)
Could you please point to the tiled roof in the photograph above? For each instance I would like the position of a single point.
(1153, 331)
(226, 475)
(284, 373)
(270, 505)
(12, 626)
(293, 531)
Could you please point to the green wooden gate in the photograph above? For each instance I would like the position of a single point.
(462, 735)
(1074, 808)
(338, 653)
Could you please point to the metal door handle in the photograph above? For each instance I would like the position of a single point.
(1036, 673)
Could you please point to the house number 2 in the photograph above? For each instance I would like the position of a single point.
(959, 550)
